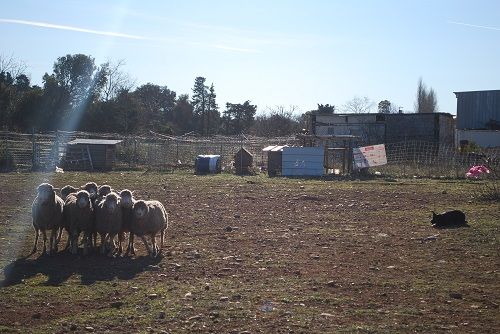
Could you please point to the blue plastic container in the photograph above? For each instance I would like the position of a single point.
(205, 164)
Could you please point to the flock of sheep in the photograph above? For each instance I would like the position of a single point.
(93, 210)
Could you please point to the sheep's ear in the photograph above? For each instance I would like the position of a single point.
(433, 214)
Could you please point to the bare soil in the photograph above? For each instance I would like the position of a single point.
(261, 255)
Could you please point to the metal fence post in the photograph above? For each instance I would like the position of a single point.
(177, 151)
(33, 149)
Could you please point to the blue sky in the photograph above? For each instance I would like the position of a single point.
(290, 53)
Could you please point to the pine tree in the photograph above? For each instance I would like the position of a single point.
(213, 114)
(199, 102)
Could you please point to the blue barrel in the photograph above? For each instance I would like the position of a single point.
(205, 164)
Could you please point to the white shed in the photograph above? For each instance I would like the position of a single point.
(303, 161)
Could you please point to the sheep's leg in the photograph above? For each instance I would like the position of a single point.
(93, 242)
(86, 243)
(74, 243)
(162, 235)
(108, 242)
(121, 236)
(112, 245)
(68, 242)
(44, 235)
(60, 234)
(131, 240)
(52, 241)
(37, 233)
(143, 238)
(90, 242)
(103, 243)
(57, 237)
(131, 243)
(155, 246)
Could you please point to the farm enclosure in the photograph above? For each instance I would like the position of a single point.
(26, 152)
(264, 255)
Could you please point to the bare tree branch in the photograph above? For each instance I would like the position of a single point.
(117, 80)
(358, 105)
(12, 65)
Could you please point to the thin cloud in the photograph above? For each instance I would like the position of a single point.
(230, 48)
(474, 25)
(70, 28)
(120, 35)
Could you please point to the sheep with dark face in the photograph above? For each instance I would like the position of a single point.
(66, 190)
(47, 214)
(149, 218)
(127, 202)
(103, 191)
(108, 222)
(91, 188)
(79, 217)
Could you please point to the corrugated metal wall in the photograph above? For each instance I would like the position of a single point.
(303, 161)
(475, 109)
(483, 138)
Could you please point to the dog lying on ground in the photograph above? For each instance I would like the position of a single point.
(454, 218)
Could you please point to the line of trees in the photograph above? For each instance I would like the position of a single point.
(79, 95)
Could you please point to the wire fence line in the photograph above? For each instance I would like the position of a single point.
(45, 151)
(26, 152)
(430, 159)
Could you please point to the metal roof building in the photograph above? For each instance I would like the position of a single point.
(376, 128)
(478, 110)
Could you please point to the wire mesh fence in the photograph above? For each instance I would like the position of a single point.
(26, 152)
(45, 151)
(429, 159)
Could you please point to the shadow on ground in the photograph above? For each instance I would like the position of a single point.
(62, 266)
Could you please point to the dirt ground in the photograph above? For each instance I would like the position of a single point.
(260, 255)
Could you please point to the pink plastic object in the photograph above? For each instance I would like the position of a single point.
(476, 171)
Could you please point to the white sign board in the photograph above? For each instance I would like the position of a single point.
(369, 156)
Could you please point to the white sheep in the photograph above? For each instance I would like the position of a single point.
(92, 188)
(79, 217)
(126, 202)
(149, 218)
(108, 222)
(47, 214)
(65, 191)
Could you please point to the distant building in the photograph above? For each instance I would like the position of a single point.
(386, 128)
(478, 118)
(90, 154)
